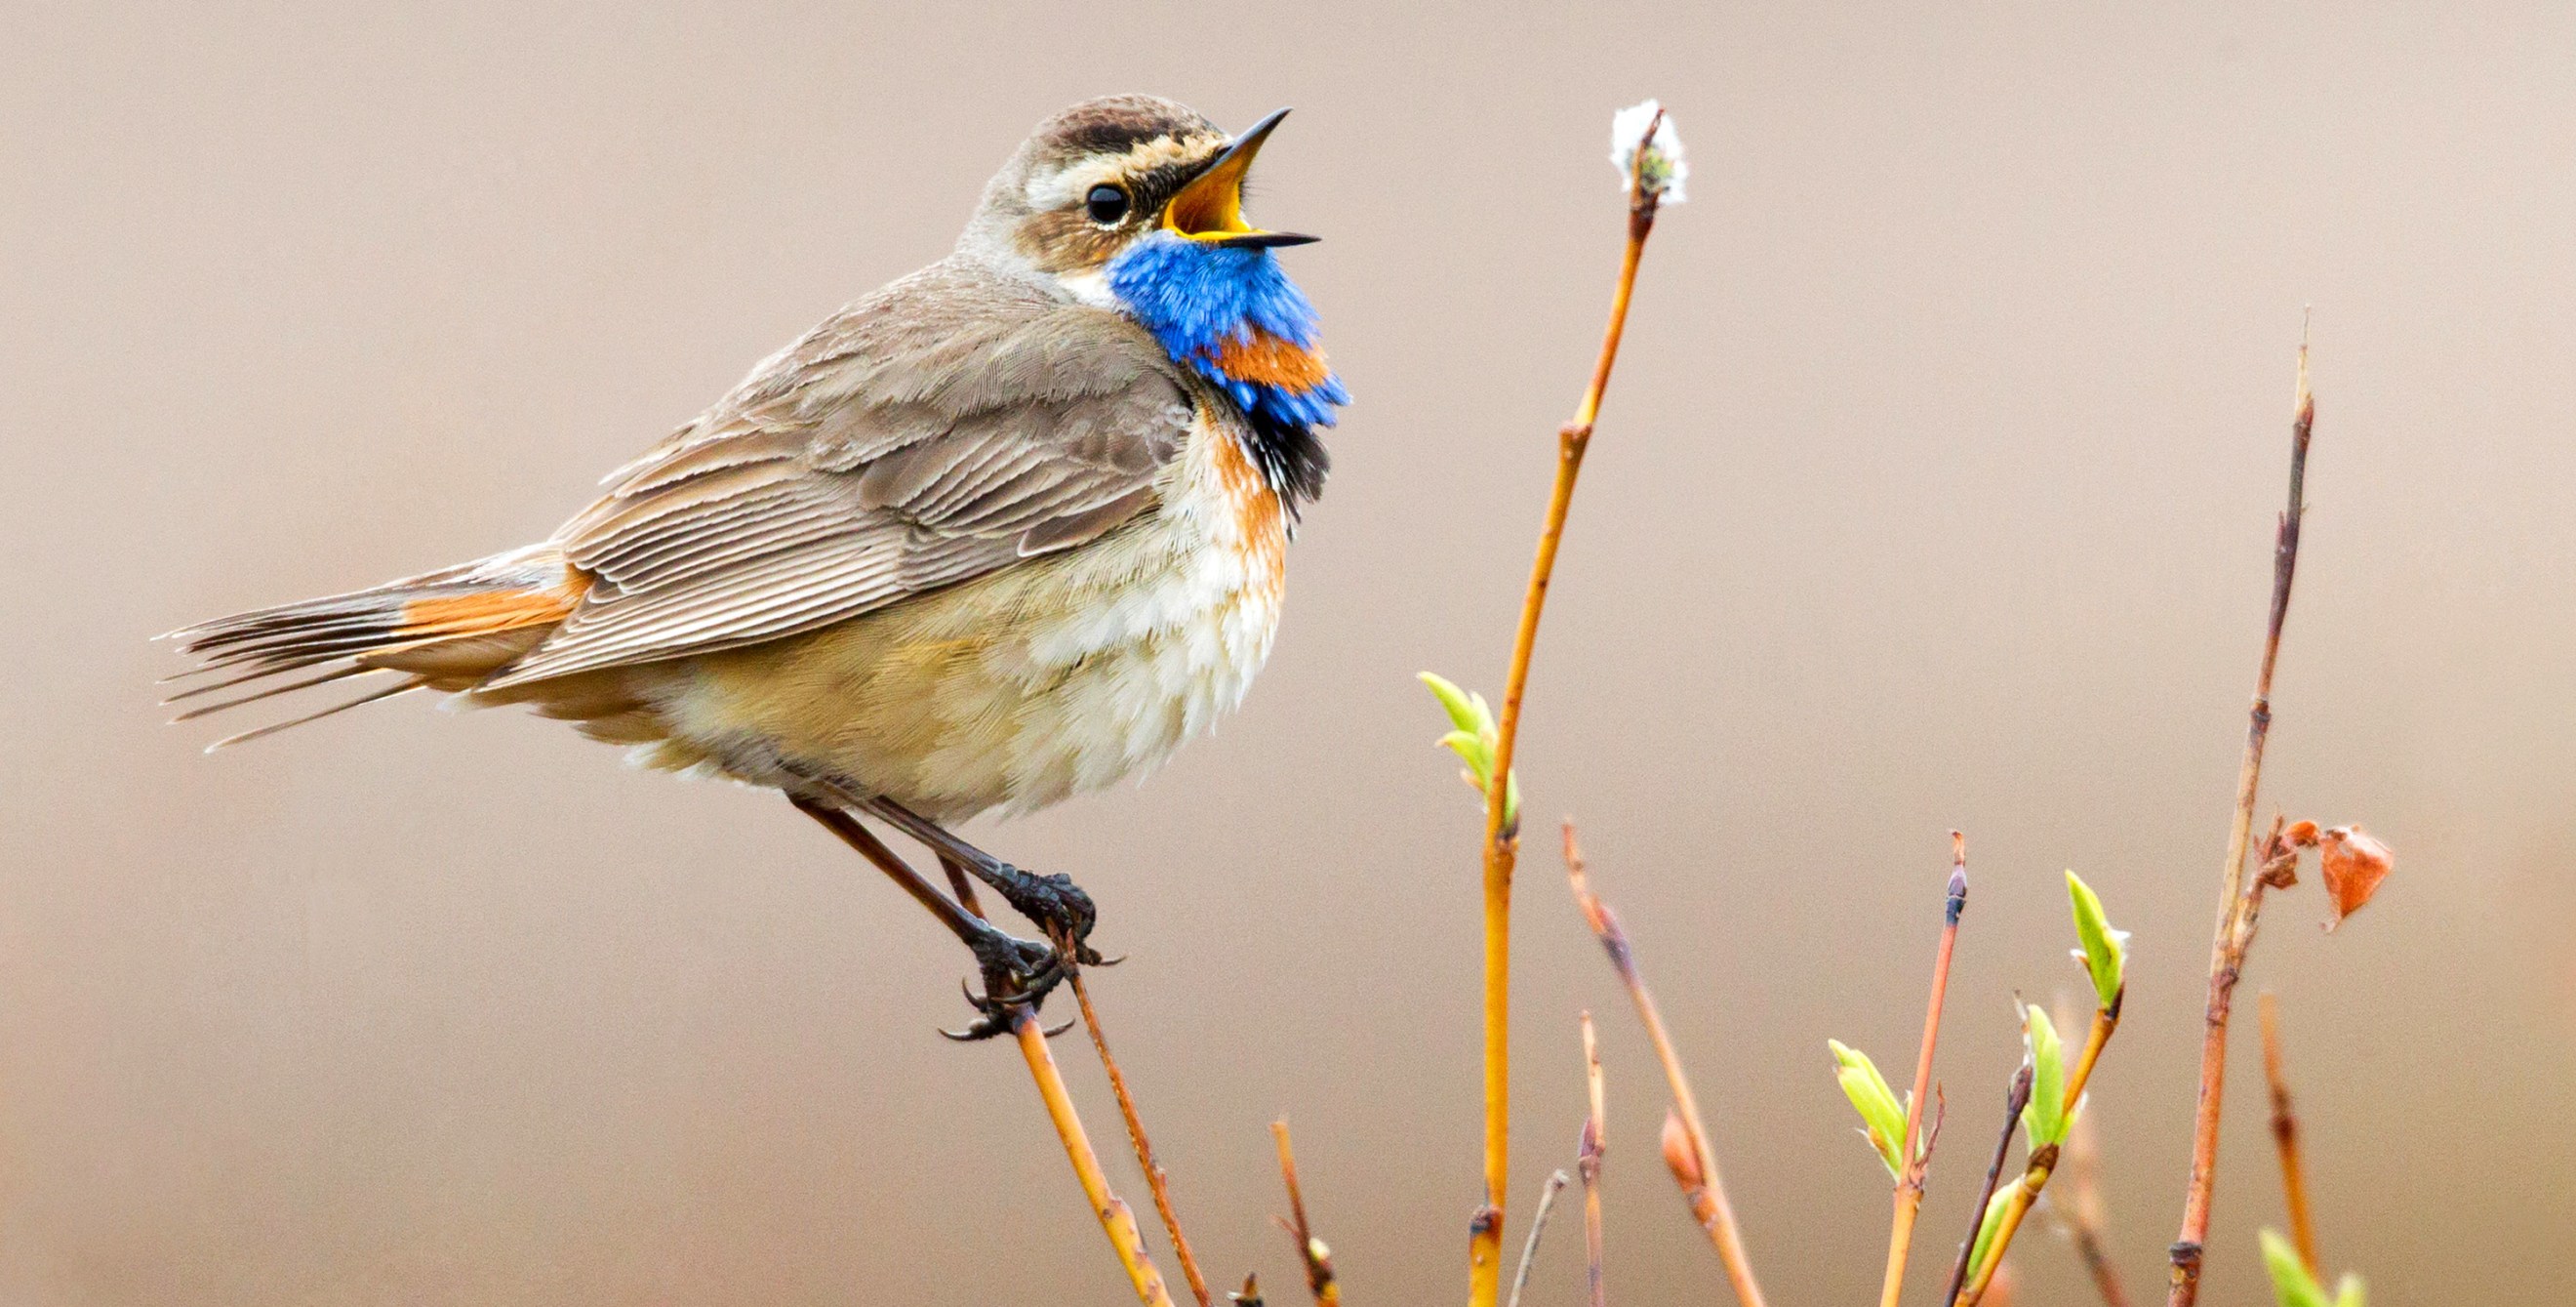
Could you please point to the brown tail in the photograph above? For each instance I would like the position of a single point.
(447, 630)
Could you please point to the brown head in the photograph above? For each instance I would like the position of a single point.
(1096, 177)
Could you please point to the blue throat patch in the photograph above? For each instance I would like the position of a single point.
(1198, 299)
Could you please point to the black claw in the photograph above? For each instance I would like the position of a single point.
(1018, 975)
(1054, 902)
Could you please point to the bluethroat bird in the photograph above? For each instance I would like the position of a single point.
(1008, 529)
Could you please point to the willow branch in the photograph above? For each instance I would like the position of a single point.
(2081, 1219)
(2014, 1101)
(1502, 835)
(1155, 1179)
(1317, 1258)
(2043, 1162)
(2285, 1135)
(1116, 1219)
(2227, 953)
(1556, 1182)
(1587, 1163)
(1696, 1169)
(1916, 1148)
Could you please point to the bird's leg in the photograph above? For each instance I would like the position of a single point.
(1055, 903)
(1016, 972)
(961, 885)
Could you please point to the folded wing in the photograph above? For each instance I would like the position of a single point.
(950, 425)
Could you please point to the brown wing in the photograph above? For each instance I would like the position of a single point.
(951, 424)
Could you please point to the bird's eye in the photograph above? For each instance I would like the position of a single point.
(1107, 204)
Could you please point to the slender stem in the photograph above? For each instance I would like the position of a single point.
(2285, 1134)
(2106, 1021)
(1502, 834)
(2043, 1163)
(2014, 1101)
(1116, 1219)
(1587, 1163)
(2081, 1219)
(1917, 1148)
(2226, 953)
(1556, 1182)
(1155, 1179)
(1701, 1187)
(1317, 1258)
(2025, 1191)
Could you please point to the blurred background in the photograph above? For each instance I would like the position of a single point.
(1936, 489)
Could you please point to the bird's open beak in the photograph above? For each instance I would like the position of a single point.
(1210, 208)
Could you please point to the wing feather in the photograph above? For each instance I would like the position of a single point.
(949, 425)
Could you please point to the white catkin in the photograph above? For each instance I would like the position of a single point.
(1666, 170)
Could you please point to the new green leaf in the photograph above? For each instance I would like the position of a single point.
(1984, 1246)
(2105, 952)
(1882, 1116)
(2046, 1117)
(1474, 739)
(2292, 1286)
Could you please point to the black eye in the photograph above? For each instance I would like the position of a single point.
(1107, 204)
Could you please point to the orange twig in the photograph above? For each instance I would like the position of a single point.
(2043, 1162)
(2285, 1134)
(1155, 1179)
(1694, 1164)
(2014, 1101)
(2235, 927)
(2081, 1219)
(1116, 1219)
(1916, 1147)
(1318, 1259)
(1502, 835)
(1587, 1163)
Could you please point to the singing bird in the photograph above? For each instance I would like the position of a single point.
(1009, 529)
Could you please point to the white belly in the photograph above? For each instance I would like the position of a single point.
(1054, 676)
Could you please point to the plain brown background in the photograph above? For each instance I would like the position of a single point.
(1936, 489)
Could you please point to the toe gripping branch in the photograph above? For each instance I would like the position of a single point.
(1017, 974)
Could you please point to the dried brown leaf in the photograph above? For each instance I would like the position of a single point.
(2354, 863)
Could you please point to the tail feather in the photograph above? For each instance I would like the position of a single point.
(273, 728)
(269, 692)
(444, 630)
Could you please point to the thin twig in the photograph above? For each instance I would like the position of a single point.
(1116, 1218)
(1155, 1180)
(1587, 1163)
(2043, 1162)
(2014, 1101)
(2081, 1219)
(1916, 1148)
(2025, 1192)
(1318, 1259)
(1701, 1186)
(2234, 933)
(1502, 834)
(1556, 1182)
(2285, 1134)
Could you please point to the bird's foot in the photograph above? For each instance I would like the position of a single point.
(1055, 903)
(1018, 975)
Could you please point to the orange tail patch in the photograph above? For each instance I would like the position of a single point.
(484, 613)
(446, 630)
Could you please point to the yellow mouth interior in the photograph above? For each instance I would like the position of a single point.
(1211, 206)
